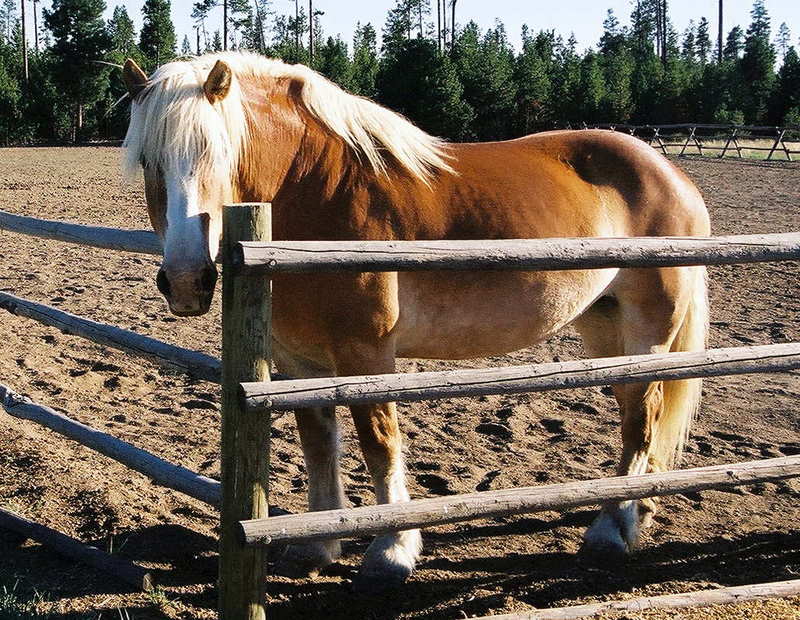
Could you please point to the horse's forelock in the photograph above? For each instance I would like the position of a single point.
(172, 121)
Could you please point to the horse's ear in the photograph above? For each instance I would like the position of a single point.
(218, 82)
(135, 78)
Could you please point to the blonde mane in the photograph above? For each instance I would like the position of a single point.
(171, 120)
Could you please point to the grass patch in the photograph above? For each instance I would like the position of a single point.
(17, 606)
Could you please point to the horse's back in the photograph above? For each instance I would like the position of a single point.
(581, 183)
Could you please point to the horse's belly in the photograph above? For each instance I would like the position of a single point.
(459, 315)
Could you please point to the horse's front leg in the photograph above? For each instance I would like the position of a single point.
(319, 438)
(390, 558)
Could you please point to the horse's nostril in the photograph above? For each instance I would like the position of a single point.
(162, 283)
(209, 278)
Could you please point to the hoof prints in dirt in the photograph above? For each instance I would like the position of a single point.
(435, 484)
(495, 430)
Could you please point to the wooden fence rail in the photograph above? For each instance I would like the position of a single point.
(139, 241)
(382, 518)
(701, 598)
(409, 387)
(731, 134)
(192, 363)
(246, 391)
(530, 254)
(160, 471)
(73, 549)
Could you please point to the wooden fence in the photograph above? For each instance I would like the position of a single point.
(697, 138)
(249, 257)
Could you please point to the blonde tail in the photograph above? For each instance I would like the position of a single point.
(682, 397)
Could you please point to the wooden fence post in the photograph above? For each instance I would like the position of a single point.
(246, 330)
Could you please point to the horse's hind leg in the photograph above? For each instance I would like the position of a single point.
(652, 312)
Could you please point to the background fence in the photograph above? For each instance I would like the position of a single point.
(249, 258)
(779, 143)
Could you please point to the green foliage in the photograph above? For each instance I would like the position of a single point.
(123, 37)
(9, 104)
(158, 39)
(477, 88)
(757, 66)
(419, 82)
(365, 61)
(533, 75)
(333, 62)
(785, 99)
(80, 39)
(486, 68)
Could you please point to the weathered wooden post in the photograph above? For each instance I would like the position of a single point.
(245, 436)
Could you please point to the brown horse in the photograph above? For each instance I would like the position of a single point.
(241, 128)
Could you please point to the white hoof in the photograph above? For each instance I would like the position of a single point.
(389, 561)
(615, 532)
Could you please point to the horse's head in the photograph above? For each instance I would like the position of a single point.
(187, 141)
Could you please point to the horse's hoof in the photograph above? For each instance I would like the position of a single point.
(302, 561)
(609, 539)
(603, 555)
(388, 562)
(377, 583)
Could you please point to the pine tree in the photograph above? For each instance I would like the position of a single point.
(734, 44)
(123, 37)
(532, 76)
(365, 60)
(200, 11)
(783, 39)
(566, 98)
(688, 46)
(216, 42)
(703, 42)
(288, 41)
(332, 61)
(8, 17)
(485, 68)
(10, 96)
(591, 89)
(186, 46)
(80, 39)
(785, 101)
(158, 39)
(419, 82)
(757, 66)
(613, 35)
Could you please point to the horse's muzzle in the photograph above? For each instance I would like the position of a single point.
(188, 293)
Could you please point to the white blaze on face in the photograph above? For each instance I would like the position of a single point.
(190, 240)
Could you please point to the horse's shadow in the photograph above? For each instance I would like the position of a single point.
(477, 585)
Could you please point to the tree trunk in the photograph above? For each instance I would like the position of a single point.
(453, 24)
(439, 25)
(297, 27)
(24, 46)
(311, 30)
(719, 36)
(35, 27)
(664, 33)
(225, 24)
(444, 25)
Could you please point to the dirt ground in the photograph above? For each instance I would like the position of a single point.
(701, 540)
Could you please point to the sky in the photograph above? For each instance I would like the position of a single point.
(582, 17)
